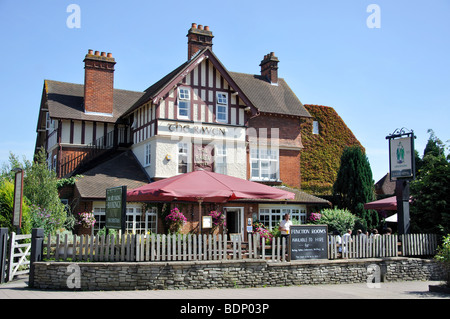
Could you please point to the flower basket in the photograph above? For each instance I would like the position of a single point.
(175, 220)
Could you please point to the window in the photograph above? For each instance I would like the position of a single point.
(100, 218)
(148, 154)
(182, 158)
(315, 127)
(138, 223)
(222, 107)
(264, 164)
(221, 159)
(184, 102)
(272, 216)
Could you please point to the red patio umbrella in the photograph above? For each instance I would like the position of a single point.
(203, 186)
(389, 203)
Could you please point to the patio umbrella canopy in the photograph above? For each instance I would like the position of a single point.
(205, 186)
(389, 203)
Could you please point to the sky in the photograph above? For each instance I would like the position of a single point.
(381, 64)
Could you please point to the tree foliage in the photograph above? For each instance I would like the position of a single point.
(430, 212)
(354, 186)
(40, 187)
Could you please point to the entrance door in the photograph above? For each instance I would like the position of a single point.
(235, 222)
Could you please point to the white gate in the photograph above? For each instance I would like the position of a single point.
(19, 257)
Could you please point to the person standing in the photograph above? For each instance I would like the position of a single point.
(285, 227)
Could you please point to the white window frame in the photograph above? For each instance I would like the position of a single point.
(264, 164)
(148, 155)
(136, 225)
(186, 147)
(220, 159)
(222, 102)
(100, 218)
(315, 128)
(184, 98)
(271, 216)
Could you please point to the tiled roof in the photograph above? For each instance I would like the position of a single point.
(122, 170)
(269, 98)
(65, 100)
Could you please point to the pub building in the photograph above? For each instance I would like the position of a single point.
(200, 116)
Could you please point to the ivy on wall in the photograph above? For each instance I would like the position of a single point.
(320, 158)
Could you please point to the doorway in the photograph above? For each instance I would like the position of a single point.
(235, 221)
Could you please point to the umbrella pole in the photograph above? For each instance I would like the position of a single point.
(200, 200)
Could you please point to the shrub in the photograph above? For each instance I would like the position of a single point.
(336, 219)
(6, 208)
(443, 255)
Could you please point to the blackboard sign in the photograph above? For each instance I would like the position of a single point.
(116, 198)
(308, 242)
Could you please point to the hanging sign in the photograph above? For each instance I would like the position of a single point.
(401, 156)
(116, 198)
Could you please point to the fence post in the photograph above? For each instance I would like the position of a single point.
(3, 252)
(37, 250)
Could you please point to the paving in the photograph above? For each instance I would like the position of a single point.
(18, 289)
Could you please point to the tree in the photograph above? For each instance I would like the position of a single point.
(354, 186)
(40, 187)
(430, 212)
(6, 208)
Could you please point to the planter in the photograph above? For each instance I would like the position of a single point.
(439, 288)
(84, 231)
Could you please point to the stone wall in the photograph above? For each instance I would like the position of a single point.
(226, 274)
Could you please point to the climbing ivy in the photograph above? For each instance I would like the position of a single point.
(320, 158)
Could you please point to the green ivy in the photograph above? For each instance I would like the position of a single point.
(320, 158)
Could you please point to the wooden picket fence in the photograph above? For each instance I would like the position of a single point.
(157, 247)
(131, 247)
(383, 246)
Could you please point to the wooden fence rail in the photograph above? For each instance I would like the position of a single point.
(157, 247)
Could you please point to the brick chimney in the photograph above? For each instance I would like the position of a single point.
(98, 82)
(269, 68)
(198, 39)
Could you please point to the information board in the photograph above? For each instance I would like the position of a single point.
(116, 198)
(308, 242)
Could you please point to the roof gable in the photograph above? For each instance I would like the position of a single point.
(159, 89)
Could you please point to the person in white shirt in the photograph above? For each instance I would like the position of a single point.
(285, 226)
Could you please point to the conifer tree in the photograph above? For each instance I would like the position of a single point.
(354, 186)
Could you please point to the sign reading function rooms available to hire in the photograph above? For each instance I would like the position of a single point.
(308, 242)
(116, 207)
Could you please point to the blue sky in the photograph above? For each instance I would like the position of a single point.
(377, 79)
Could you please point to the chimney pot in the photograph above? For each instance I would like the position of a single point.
(200, 27)
(97, 53)
(206, 28)
(104, 54)
(90, 51)
(109, 55)
(194, 25)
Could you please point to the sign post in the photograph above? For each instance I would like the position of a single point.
(116, 199)
(402, 170)
(18, 195)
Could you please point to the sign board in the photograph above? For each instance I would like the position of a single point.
(401, 157)
(116, 199)
(206, 222)
(18, 195)
(308, 242)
